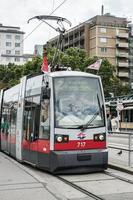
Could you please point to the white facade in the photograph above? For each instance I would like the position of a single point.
(38, 50)
(11, 45)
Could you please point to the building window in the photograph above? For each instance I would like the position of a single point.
(17, 52)
(103, 49)
(17, 37)
(8, 36)
(17, 44)
(8, 44)
(8, 59)
(17, 59)
(8, 51)
(103, 30)
(25, 59)
(103, 40)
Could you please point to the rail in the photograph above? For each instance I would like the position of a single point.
(129, 148)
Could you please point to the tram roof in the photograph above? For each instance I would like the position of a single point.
(71, 73)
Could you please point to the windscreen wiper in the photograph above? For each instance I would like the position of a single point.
(85, 126)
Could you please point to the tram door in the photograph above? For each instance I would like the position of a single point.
(31, 129)
(5, 133)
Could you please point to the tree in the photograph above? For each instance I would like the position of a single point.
(75, 58)
(111, 83)
(32, 67)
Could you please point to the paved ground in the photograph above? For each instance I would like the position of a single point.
(21, 182)
(17, 184)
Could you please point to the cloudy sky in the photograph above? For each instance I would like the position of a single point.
(17, 13)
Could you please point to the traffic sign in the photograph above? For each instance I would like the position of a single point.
(119, 107)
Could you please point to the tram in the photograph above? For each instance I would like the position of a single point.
(56, 122)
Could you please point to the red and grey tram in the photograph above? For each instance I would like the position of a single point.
(55, 121)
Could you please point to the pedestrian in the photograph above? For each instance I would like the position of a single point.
(114, 123)
(109, 125)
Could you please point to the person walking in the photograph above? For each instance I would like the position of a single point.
(114, 123)
(109, 125)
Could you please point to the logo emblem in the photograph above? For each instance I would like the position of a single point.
(81, 136)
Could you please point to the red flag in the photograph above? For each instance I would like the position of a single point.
(95, 65)
(44, 67)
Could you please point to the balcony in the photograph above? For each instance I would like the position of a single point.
(123, 74)
(122, 55)
(122, 45)
(123, 64)
(123, 35)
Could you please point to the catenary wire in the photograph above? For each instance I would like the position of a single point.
(41, 22)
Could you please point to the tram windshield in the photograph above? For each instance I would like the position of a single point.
(78, 101)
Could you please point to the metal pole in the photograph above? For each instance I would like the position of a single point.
(129, 150)
(118, 115)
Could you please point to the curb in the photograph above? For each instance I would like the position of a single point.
(121, 168)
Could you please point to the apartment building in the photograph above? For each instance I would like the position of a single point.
(104, 36)
(131, 54)
(38, 50)
(11, 45)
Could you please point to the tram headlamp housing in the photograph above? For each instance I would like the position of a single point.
(61, 138)
(99, 137)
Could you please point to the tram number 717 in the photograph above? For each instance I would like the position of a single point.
(81, 144)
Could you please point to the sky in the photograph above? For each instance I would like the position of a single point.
(17, 13)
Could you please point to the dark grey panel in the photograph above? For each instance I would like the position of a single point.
(41, 160)
(75, 162)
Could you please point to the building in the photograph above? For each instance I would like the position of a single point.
(131, 54)
(104, 36)
(27, 57)
(38, 50)
(11, 46)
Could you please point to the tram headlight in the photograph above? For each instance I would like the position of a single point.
(59, 138)
(99, 137)
(62, 138)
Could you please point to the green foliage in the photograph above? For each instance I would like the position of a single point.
(75, 58)
(32, 67)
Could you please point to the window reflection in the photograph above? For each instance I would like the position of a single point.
(31, 117)
(77, 99)
(45, 120)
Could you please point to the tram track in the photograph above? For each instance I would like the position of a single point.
(90, 194)
(75, 185)
(96, 186)
(118, 177)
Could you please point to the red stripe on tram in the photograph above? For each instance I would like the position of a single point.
(80, 145)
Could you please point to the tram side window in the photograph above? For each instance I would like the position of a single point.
(27, 118)
(31, 117)
(36, 108)
(45, 119)
(131, 120)
(13, 119)
(5, 121)
(127, 116)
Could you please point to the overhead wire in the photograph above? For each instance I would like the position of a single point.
(53, 5)
(41, 22)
